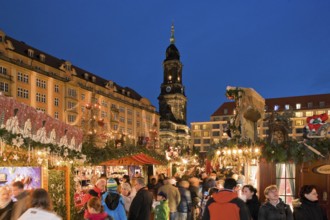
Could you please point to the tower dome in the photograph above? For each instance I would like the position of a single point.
(172, 53)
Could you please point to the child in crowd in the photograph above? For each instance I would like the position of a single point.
(95, 210)
(162, 210)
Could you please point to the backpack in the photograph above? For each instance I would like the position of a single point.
(112, 200)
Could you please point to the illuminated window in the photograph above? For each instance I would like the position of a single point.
(197, 133)
(287, 107)
(299, 114)
(285, 181)
(298, 106)
(299, 122)
(206, 134)
(309, 113)
(320, 112)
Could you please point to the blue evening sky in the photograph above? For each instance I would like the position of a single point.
(278, 47)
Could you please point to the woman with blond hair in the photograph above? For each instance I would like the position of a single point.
(41, 207)
(274, 208)
(6, 204)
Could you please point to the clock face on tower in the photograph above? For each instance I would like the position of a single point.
(168, 89)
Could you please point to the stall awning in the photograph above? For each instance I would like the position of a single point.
(136, 159)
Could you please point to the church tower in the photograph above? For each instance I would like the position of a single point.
(174, 131)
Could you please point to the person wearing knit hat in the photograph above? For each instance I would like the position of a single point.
(112, 185)
(162, 210)
(113, 202)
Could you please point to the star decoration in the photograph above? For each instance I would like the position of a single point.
(15, 157)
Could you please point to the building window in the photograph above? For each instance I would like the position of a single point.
(71, 118)
(298, 106)
(41, 109)
(22, 77)
(320, 112)
(299, 122)
(41, 97)
(310, 105)
(3, 70)
(42, 57)
(206, 134)
(57, 89)
(30, 53)
(104, 114)
(129, 111)
(309, 113)
(285, 181)
(104, 103)
(72, 105)
(4, 87)
(225, 111)
(41, 83)
(56, 115)
(129, 121)
(215, 126)
(56, 101)
(23, 93)
(322, 104)
(122, 109)
(197, 133)
(115, 127)
(206, 141)
(299, 130)
(197, 141)
(299, 114)
(216, 133)
(122, 119)
(287, 107)
(72, 93)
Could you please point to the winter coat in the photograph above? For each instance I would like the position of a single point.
(185, 202)
(36, 213)
(226, 205)
(308, 210)
(253, 206)
(141, 205)
(5, 213)
(162, 211)
(282, 211)
(113, 205)
(21, 205)
(173, 196)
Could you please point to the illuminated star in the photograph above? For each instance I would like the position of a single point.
(15, 157)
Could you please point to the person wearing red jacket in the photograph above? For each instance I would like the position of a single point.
(226, 205)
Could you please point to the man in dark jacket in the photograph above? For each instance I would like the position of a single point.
(226, 205)
(140, 208)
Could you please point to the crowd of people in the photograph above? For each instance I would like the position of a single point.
(19, 204)
(192, 198)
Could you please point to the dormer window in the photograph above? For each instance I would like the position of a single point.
(128, 93)
(30, 52)
(68, 67)
(86, 76)
(225, 111)
(123, 91)
(298, 106)
(287, 107)
(322, 104)
(93, 79)
(310, 104)
(42, 57)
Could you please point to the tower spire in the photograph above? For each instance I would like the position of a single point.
(172, 39)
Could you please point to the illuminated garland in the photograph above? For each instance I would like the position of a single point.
(17, 142)
(287, 152)
(95, 155)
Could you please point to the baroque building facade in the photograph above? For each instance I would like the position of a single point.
(174, 132)
(75, 96)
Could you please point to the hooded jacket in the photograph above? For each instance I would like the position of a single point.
(225, 205)
(305, 209)
(282, 211)
(117, 212)
(253, 206)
